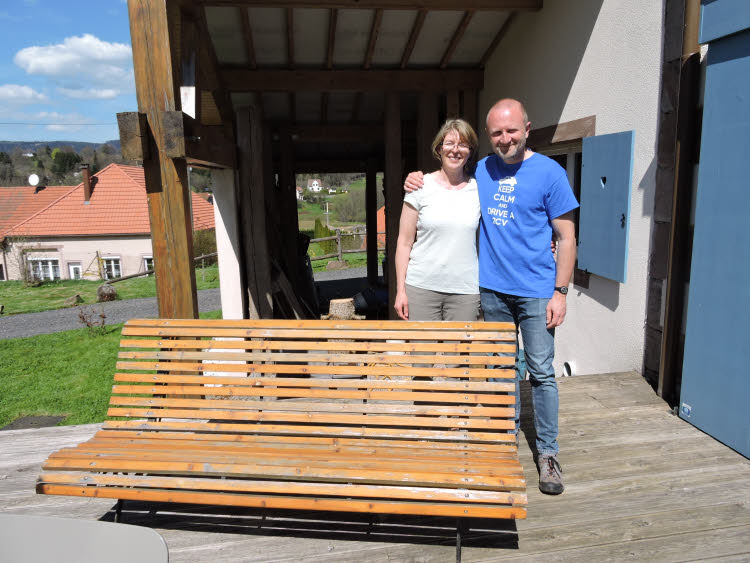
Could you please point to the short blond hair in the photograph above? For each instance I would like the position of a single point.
(466, 134)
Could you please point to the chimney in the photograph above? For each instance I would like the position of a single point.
(86, 183)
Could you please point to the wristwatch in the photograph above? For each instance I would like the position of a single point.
(563, 289)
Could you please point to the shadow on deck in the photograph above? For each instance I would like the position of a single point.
(641, 484)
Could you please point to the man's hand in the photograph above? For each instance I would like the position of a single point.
(402, 306)
(414, 182)
(556, 310)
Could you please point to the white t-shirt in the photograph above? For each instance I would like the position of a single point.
(444, 255)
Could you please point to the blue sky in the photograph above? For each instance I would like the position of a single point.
(65, 68)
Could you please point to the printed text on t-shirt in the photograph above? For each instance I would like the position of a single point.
(502, 214)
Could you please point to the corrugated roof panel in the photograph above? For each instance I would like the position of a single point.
(225, 28)
(352, 37)
(434, 38)
(310, 36)
(479, 34)
(395, 28)
(268, 27)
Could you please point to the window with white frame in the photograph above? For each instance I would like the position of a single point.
(148, 263)
(111, 267)
(2, 273)
(44, 268)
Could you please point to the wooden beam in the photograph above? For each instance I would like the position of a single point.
(452, 104)
(499, 37)
(253, 213)
(247, 32)
(288, 205)
(562, 132)
(208, 64)
(393, 190)
(336, 133)
(456, 39)
(331, 36)
(488, 5)
(133, 128)
(202, 145)
(427, 128)
(374, 30)
(272, 80)
(330, 166)
(416, 28)
(154, 40)
(371, 220)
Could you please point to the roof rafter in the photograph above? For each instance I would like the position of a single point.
(247, 31)
(496, 41)
(416, 28)
(457, 35)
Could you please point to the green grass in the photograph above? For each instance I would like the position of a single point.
(67, 374)
(18, 298)
(354, 260)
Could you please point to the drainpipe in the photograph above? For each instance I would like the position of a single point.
(686, 155)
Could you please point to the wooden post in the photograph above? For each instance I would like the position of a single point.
(253, 213)
(288, 205)
(371, 220)
(471, 109)
(340, 257)
(393, 190)
(157, 70)
(452, 104)
(427, 128)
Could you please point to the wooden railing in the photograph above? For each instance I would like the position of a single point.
(339, 247)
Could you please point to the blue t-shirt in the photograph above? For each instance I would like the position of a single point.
(518, 203)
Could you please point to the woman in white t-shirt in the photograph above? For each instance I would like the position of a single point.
(437, 273)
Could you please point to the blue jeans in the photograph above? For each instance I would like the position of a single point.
(530, 315)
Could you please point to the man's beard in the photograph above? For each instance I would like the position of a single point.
(514, 152)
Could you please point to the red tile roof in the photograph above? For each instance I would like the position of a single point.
(20, 203)
(118, 205)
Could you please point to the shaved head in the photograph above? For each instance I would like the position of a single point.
(509, 104)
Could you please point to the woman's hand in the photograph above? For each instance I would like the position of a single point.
(402, 305)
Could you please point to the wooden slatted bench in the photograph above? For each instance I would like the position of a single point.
(354, 416)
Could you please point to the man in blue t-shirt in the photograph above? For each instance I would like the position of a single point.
(525, 197)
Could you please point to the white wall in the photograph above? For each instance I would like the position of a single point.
(227, 243)
(572, 60)
(130, 249)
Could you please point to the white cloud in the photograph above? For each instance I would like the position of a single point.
(16, 94)
(84, 67)
(90, 93)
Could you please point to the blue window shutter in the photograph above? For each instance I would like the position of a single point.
(606, 178)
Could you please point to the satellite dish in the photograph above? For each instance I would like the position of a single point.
(34, 180)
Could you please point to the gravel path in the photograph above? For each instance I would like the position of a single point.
(46, 322)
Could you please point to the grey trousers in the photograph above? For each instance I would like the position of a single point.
(428, 305)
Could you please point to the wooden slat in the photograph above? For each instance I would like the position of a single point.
(346, 370)
(317, 431)
(287, 487)
(247, 33)
(421, 452)
(122, 429)
(489, 5)
(235, 383)
(291, 502)
(370, 359)
(294, 406)
(260, 470)
(416, 28)
(331, 325)
(374, 30)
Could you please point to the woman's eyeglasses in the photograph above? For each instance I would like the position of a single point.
(450, 145)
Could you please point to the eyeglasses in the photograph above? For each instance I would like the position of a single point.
(450, 145)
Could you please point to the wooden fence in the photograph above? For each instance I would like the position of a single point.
(339, 254)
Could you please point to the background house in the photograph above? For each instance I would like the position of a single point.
(314, 185)
(98, 229)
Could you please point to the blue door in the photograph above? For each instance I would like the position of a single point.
(715, 393)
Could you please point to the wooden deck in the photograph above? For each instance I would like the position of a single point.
(641, 484)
